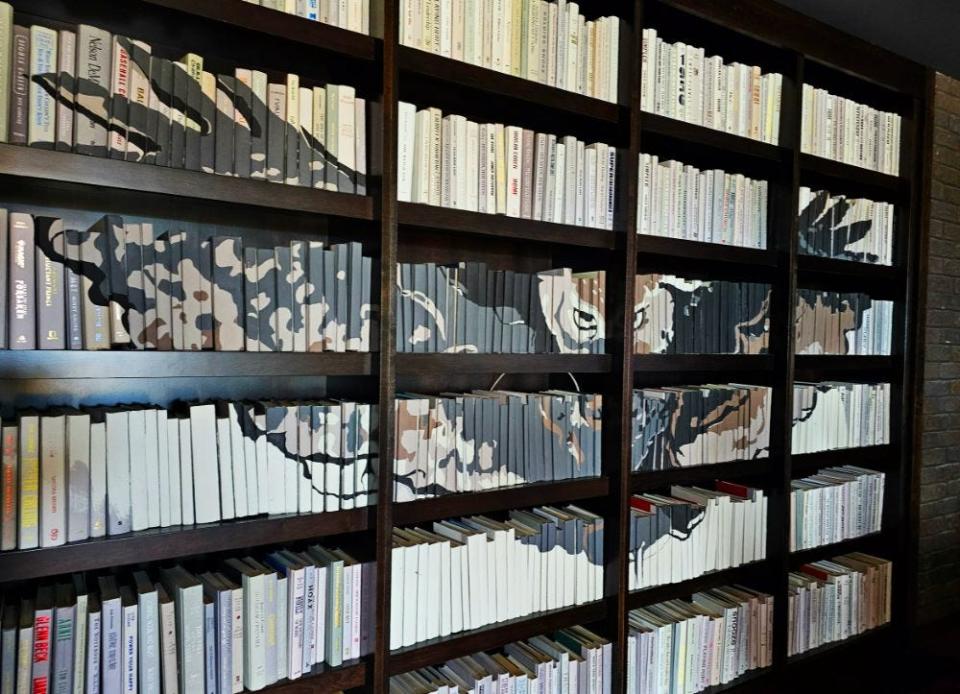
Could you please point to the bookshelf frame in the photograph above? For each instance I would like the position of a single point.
(777, 37)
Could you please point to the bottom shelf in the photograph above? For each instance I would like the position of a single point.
(859, 641)
(323, 680)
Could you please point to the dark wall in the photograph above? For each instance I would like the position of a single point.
(924, 30)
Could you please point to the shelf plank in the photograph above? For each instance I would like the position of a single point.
(848, 179)
(494, 636)
(868, 543)
(865, 640)
(658, 247)
(84, 174)
(836, 366)
(684, 589)
(873, 457)
(433, 217)
(739, 469)
(170, 543)
(690, 133)
(466, 76)
(66, 364)
(847, 268)
(275, 25)
(452, 505)
(431, 364)
(323, 680)
(655, 363)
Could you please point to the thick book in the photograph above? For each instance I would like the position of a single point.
(9, 481)
(193, 115)
(242, 114)
(257, 117)
(225, 126)
(53, 481)
(119, 98)
(66, 89)
(119, 517)
(111, 230)
(63, 639)
(228, 314)
(138, 102)
(21, 330)
(208, 122)
(78, 477)
(203, 432)
(42, 107)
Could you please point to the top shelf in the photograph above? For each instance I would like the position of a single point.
(277, 25)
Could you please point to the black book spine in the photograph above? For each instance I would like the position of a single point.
(164, 125)
(192, 156)
(242, 139)
(226, 86)
(178, 111)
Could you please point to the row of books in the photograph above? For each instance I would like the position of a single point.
(831, 415)
(836, 323)
(244, 623)
(467, 442)
(834, 600)
(121, 284)
(678, 80)
(495, 169)
(846, 131)
(685, 646)
(90, 92)
(684, 426)
(573, 660)
(470, 308)
(546, 42)
(467, 573)
(676, 315)
(836, 504)
(693, 531)
(353, 15)
(70, 475)
(679, 201)
(837, 226)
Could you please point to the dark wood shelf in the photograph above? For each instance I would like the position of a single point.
(816, 367)
(170, 543)
(737, 469)
(874, 542)
(67, 364)
(452, 505)
(82, 174)
(494, 636)
(323, 680)
(278, 26)
(864, 640)
(432, 364)
(690, 133)
(461, 76)
(847, 179)
(647, 363)
(684, 589)
(433, 217)
(877, 281)
(760, 262)
(873, 457)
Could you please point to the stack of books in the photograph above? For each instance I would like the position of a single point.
(693, 531)
(699, 425)
(679, 81)
(242, 623)
(683, 646)
(835, 226)
(69, 474)
(124, 285)
(574, 655)
(83, 90)
(833, 600)
(679, 201)
(495, 169)
(537, 560)
(471, 442)
(546, 42)
(353, 15)
(832, 416)
(470, 308)
(836, 504)
(852, 133)
(849, 323)
(675, 315)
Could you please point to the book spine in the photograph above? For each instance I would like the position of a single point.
(66, 90)
(226, 127)
(20, 86)
(9, 481)
(42, 125)
(119, 95)
(139, 101)
(22, 286)
(51, 315)
(29, 497)
(292, 131)
(276, 132)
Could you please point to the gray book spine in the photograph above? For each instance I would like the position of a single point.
(4, 259)
(152, 122)
(22, 288)
(208, 123)
(174, 260)
(224, 164)
(330, 297)
(299, 269)
(20, 96)
(135, 284)
(78, 477)
(67, 57)
(355, 296)
(163, 337)
(74, 290)
(228, 296)
(242, 137)
(210, 647)
(138, 109)
(63, 638)
(341, 253)
(419, 313)
(366, 306)
(164, 125)
(258, 125)
(284, 304)
(276, 131)
(119, 85)
(360, 130)
(316, 304)
(267, 290)
(192, 156)
(178, 131)
(94, 284)
(51, 314)
(251, 313)
(206, 291)
(112, 228)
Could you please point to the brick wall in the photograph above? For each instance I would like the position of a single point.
(938, 579)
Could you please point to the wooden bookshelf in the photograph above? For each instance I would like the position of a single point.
(762, 31)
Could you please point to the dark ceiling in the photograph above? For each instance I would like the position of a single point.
(923, 30)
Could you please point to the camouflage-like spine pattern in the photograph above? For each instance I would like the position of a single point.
(832, 416)
(463, 442)
(848, 323)
(673, 315)
(835, 226)
(699, 425)
(470, 308)
(177, 290)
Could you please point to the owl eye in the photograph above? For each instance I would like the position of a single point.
(583, 319)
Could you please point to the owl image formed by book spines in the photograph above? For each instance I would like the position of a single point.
(182, 290)
(470, 308)
(854, 229)
(688, 426)
(489, 439)
(841, 323)
(673, 315)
